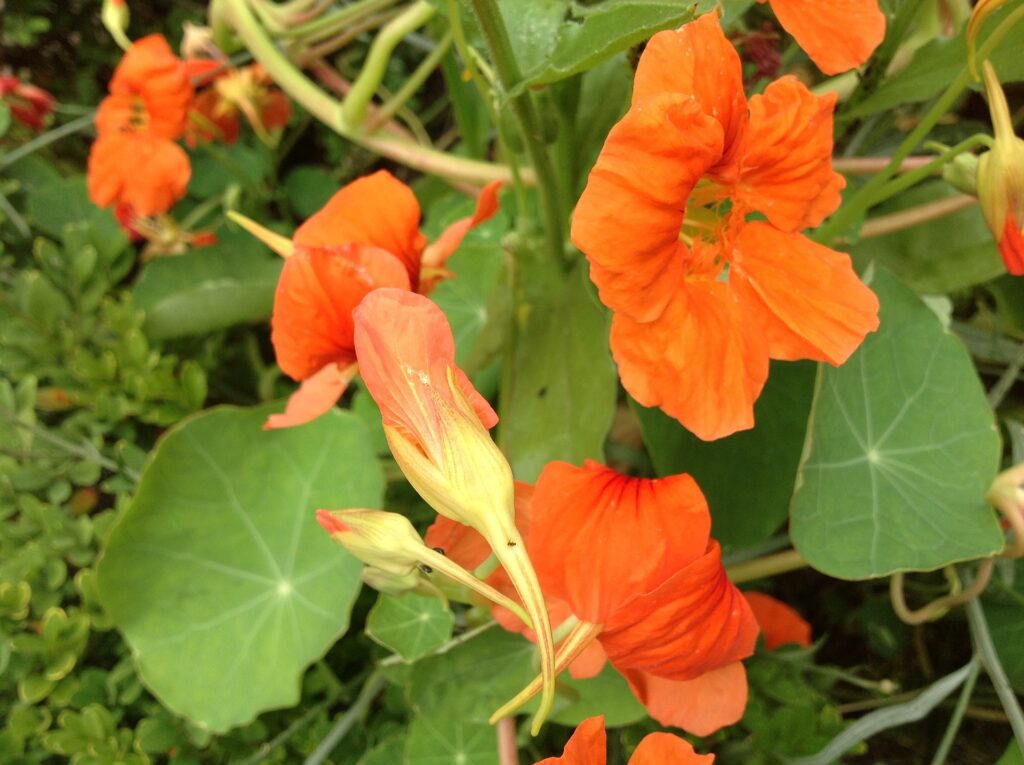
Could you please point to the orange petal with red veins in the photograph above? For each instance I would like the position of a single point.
(697, 621)
(315, 396)
(697, 60)
(786, 160)
(587, 746)
(436, 254)
(377, 210)
(590, 524)
(1011, 246)
(628, 219)
(312, 323)
(701, 361)
(666, 749)
(699, 706)
(404, 345)
(837, 34)
(807, 298)
(779, 623)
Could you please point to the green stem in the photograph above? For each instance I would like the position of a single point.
(873, 192)
(50, 136)
(375, 66)
(994, 667)
(396, 659)
(413, 83)
(918, 174)
(328, 110)
(332, 22)
(493, 28)
(770, 565)
(374, 684)
(958, 714)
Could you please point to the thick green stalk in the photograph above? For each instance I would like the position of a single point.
(958, 714)
(493, 27)
(375, 66)
(413, 83)
(993, 666)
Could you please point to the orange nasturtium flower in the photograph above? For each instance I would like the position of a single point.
(135, 159)
(367, 236)
(702, 296)
(588, 746)
(437, 427)
(231, 94)
(837, 34)
(634, 563)
(28, 104)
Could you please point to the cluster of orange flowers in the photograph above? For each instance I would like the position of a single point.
(703, 296)
(155, 98)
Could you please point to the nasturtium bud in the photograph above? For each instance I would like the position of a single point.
(1001, 178)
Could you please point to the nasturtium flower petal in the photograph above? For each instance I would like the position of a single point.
(694, 623)
(405, 346)
(599, 538)
(806, 298)
(780, 624)
(146, 172)
(666, 749)
(376, 210)
(319, 287)
(315, 396)
(702, 361)
(588, 745)
(698, 61)
(786, 164)
(838, 35)
(630, 214)
(700, 706)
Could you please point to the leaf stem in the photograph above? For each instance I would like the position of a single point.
(958, 713)
(507, 70)
(875, 191)
(915, 216)
(411, 85)
(769, 565)
(354, 107)
(994, 667)
(374, 684)
(50, 136)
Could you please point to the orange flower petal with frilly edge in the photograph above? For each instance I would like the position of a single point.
(146, 172)
(628, 219)
(438, 252)
(696, 622)
(786, 159)
(779, 623)
(699, 706)
(806, 298)
(599, 538)
(376, 210)
(405, 345)
(837, 34)
(312, 324)
(697, 60)
(588, 745)
(703, 362)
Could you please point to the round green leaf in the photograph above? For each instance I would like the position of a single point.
(901, 447)
(218, 575)
(410, 625)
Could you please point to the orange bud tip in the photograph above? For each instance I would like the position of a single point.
(331, 524)
(282, 245)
